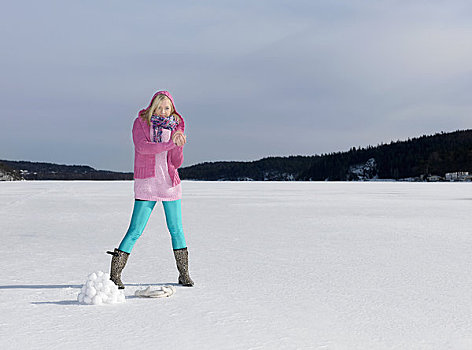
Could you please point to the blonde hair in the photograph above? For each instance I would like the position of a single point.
(146, 114)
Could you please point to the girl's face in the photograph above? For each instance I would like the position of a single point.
(164, 109)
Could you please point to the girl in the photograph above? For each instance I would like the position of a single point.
(158, 136)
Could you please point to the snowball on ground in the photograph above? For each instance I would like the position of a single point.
(99, 289)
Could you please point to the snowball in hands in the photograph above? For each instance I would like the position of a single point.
(99, 289)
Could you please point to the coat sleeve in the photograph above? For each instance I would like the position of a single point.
(176, 156)
(143, 146)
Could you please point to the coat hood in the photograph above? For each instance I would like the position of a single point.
(166, 93)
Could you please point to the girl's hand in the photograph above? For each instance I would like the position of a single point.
(179, 138)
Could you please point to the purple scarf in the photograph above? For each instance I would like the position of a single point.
(159, 123)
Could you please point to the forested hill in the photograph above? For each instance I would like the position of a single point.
(266, 169)
(15, 170)
(415, 158)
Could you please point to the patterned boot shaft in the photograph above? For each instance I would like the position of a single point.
(118, 262)
(181, 258)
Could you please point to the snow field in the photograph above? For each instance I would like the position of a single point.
(279, 265)
(99, 289)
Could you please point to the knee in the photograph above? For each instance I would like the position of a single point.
(134, 233)
(175, 230)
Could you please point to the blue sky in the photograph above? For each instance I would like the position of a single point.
(251, 78)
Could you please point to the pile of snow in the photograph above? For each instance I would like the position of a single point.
(99, 289)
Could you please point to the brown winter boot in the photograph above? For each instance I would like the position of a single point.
(181, 258)
(118, 262)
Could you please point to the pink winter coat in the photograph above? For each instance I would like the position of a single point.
(145, 149)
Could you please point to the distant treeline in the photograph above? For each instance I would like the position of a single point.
(51, 171)
(415, 158)
(266, 169)
(425, 155)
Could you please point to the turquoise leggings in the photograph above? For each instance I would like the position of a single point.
(141, 212)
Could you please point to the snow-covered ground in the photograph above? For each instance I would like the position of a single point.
(284, 265)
